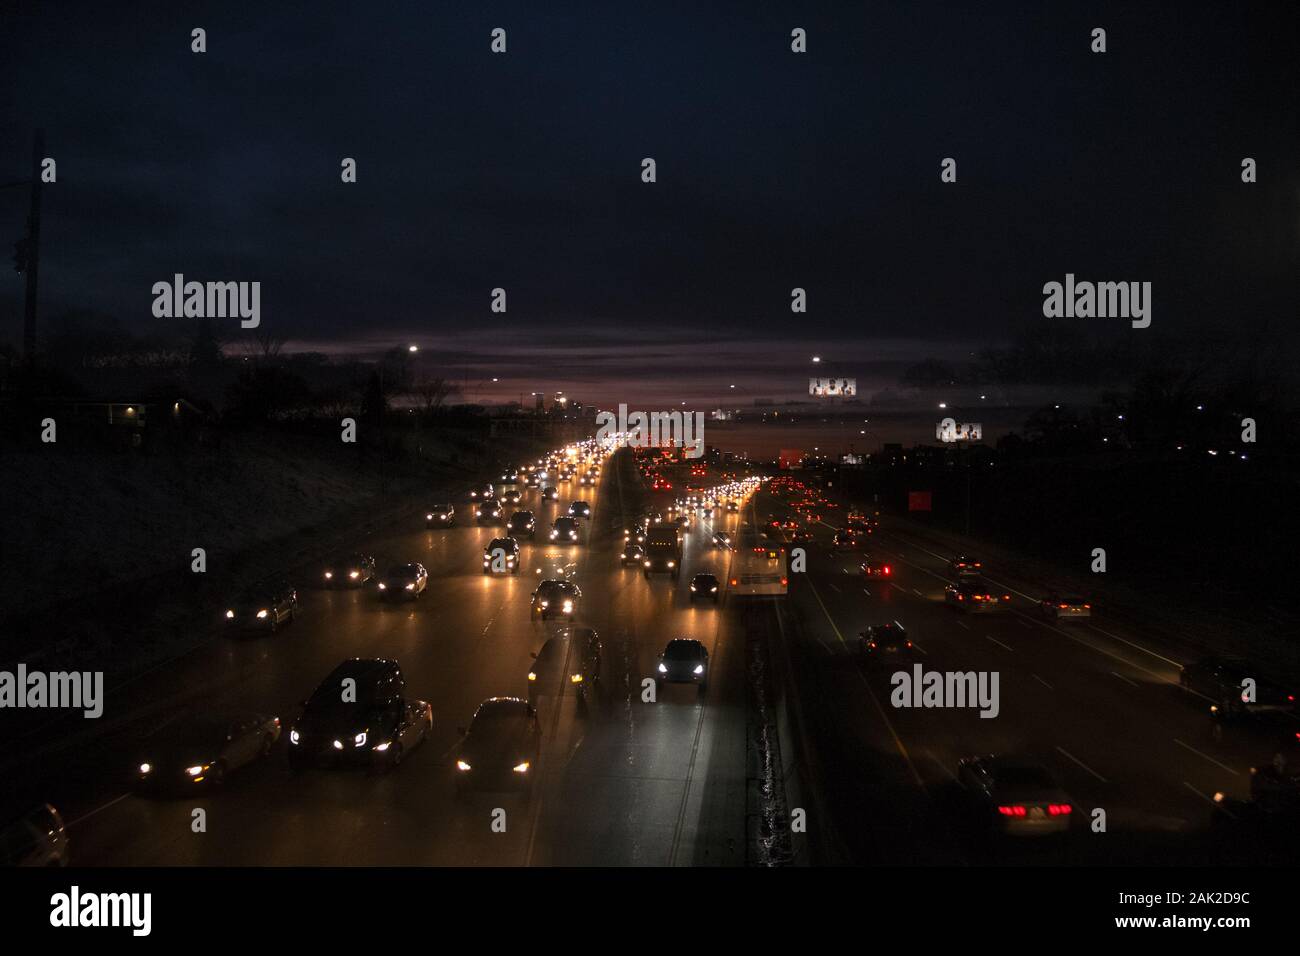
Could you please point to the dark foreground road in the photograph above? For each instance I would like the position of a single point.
(625, 783)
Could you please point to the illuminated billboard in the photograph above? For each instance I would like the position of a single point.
(833, 387)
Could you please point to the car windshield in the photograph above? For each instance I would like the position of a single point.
(199, 729)
(682, 651)
(404, 571)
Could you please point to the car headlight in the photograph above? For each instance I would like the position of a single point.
(338, 745)
(663, 668)
(462, 765)
(428, 517)
(692, 587)
(699, 668)
(382, 748)
(145, 767)
(568, 605)
(554, 534)
(410, 587)
(670, 564)
(623, 556)
(329, 575)
(261, 613)
(532, 675)
(713, 590)
(359, 740)
(383, 586)
(229, 615)
(546, 604)
(647, 564)
(521, 767)
(195, 771)
(293, 737)
(573, 534)
(575, 678)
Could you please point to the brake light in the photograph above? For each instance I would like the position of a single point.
(1064, 606)
(887, 571)
(1016, 811)
(1058, 809)
(784, 582)
(734, 582)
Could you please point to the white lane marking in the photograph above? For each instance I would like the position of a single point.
(1124, 679)
(87, 816)
(1065, 753)
(833, 586)
(917, 593)
(1147, 650)
(1043, 682)
(964, 624)
(920, 648)
(1101, 650)
(884, 716)
(942, 766)
(1205, 756)
(998, 643)
(1023, 623)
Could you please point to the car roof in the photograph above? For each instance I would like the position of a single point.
(502, 707)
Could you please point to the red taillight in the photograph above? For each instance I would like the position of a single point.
(784, 582)
(1064, 606)
(1058, 809)
(887, 569)
(1088, 606)
(1016, 811)
(734, 582)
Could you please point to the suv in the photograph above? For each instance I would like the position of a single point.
(555, 597)
(501, 555)
(522, 523)
(572, 656)
(359, 715)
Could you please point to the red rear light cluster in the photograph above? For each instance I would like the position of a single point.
(1058, 809)
(1016, 811)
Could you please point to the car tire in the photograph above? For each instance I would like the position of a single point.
(268, 742)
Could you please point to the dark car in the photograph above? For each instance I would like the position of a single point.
(973, 596)
(632, 554)
(501, 556)
(579, 509)
(550, 493)
(440, 516)
(1222, 680)
(684, 660)
(201, 749)
(1067, 608)
(847, 539)
(359, 715)
(573, 657)
(34, 838)
(705, 586)
(500, 747)
(1017, 798)
(521, 524)
(875, 568)
(488, 511)
(263, 608)
(348, 571)
(885, 640)
(963, 565)
(404, 581)
(511, 496)
(556, 598)
(481, 492)
(565, 530)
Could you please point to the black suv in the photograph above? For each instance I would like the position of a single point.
(360, 716)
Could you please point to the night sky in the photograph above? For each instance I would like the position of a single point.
(775, 170)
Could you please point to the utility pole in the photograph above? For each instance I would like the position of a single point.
(33, 251)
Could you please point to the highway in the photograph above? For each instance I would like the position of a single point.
(669, 782)
(626, 783)
(1097, 703)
